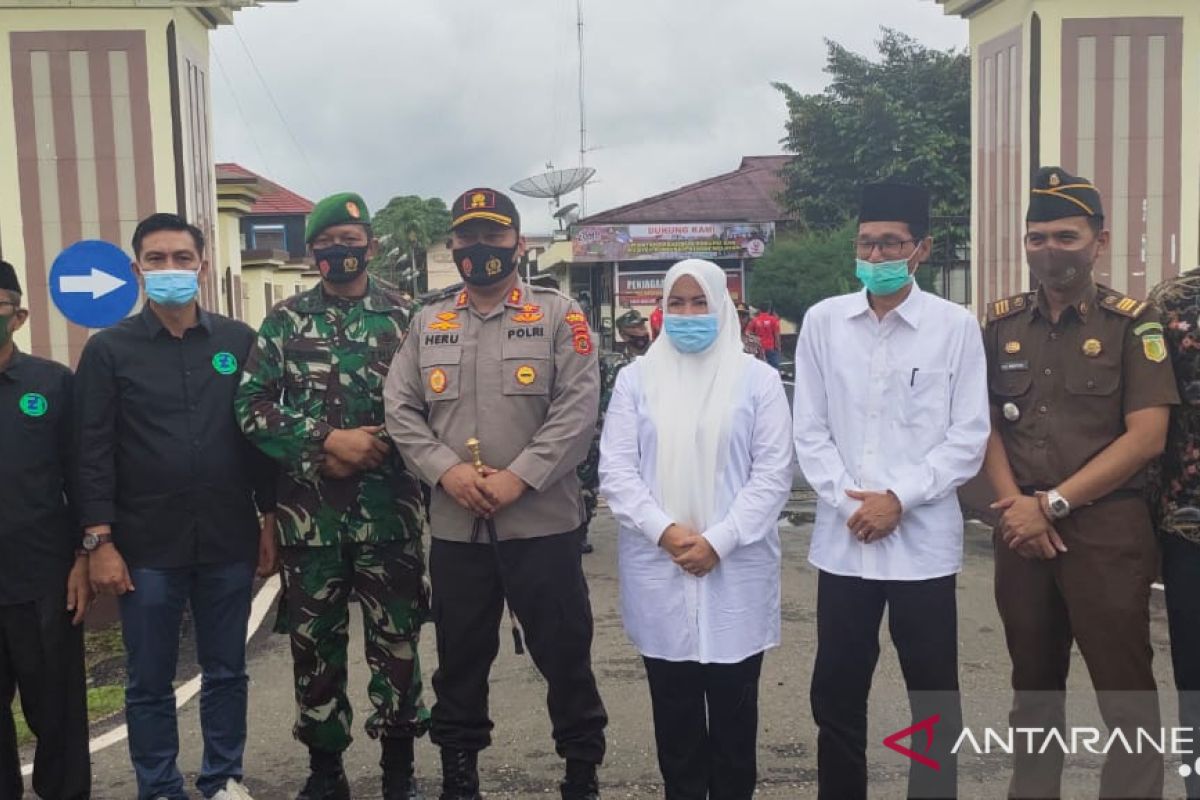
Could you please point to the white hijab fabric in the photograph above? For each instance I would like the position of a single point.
(690, 397)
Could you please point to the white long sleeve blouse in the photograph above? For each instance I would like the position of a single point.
(733, 612)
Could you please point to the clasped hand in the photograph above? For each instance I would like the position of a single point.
(876, 518)
(1026, 528)
(483, 494)
(689, 550)
(354, 450)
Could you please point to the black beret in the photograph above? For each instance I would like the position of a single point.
(8, 278)
(1057, 194)
(895, 202)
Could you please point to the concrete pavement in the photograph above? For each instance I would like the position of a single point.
(521, 764)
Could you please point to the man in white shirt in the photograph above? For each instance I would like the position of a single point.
(891, 416)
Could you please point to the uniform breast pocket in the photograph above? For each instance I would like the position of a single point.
(925, 410)
(441, 370)
(306, 380)
(1093, 377)
(527, 367)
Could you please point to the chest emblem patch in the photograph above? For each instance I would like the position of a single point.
(445, 322)
(33, 404)
(225, 363)
(1012, 348)
(1092, 348)
(437, 381)
(526, 375)
(528, 314)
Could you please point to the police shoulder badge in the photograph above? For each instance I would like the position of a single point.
(1155, 347)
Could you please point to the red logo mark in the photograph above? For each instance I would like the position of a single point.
(892, 742)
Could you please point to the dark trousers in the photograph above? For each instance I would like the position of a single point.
(1097, 594)
(706, 727)
(547, 591)
(923, 620)
(41, 657)
(1181, 578)
(219, 598)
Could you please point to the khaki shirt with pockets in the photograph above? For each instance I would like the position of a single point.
(523, 379)
(1070, 385)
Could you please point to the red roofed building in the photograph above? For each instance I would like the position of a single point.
(616, 259)
(274, 258)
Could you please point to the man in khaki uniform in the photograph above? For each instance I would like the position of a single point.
(513, 366)
(1081, 390)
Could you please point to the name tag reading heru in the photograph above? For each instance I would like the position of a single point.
(1014, 366)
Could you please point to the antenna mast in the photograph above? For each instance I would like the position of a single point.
(582, 111)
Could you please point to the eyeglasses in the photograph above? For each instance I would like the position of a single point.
(9, 303)
(888, 248)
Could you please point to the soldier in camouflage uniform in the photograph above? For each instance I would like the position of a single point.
(350, 514)
(635, 332)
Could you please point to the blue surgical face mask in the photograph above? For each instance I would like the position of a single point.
(884, 278)
(172, 287)
(691, 333)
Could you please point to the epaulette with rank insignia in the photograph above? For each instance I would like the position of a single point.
(1118, 303)
(1009, 306)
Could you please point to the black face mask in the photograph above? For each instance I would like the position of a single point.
(341, 264)
(484, 264)
(638, 344)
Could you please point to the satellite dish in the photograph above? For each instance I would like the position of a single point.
(567, 215)
(554, 184)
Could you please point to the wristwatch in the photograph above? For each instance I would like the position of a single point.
(93, 540)
(1059, 507)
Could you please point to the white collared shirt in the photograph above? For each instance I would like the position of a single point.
(899, 404)
(733, 612)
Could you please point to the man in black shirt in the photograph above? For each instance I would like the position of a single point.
(41, 640)
(167, 493)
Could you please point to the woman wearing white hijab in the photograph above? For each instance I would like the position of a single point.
(696, 461)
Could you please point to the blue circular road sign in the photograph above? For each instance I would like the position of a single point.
(92, 284)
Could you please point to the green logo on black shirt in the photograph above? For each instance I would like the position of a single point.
(225, 363)
(34, 405)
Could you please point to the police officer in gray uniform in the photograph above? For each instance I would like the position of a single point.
(514, 367)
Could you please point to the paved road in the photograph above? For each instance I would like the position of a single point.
(522, 764)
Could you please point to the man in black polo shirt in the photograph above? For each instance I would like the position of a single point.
(167, 493)
(41, 640)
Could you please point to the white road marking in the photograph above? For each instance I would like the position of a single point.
(258, 613)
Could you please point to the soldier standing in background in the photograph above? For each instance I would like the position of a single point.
(350, 513)
(632, 327)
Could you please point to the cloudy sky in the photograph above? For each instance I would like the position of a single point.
(431, 97)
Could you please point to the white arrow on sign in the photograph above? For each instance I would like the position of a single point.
(98, 284)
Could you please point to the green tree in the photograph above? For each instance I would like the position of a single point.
(906, 117)
(407, 227)
(800, 270)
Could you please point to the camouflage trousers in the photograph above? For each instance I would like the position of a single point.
(589, 479)
(388, 581)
